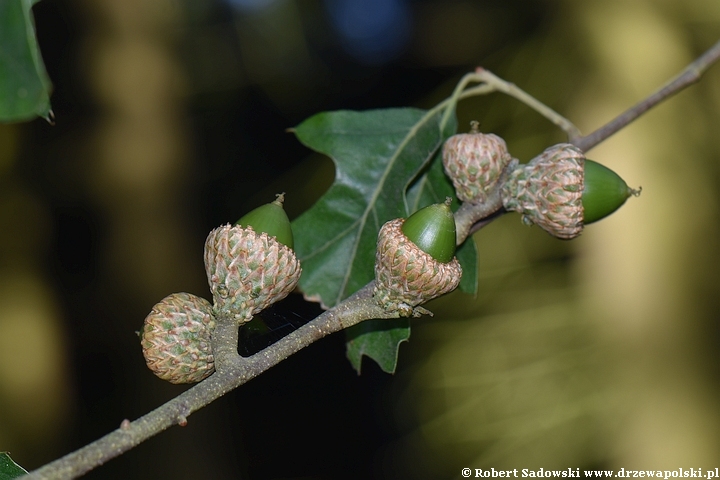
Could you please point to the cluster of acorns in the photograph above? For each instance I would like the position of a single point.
(560, 191)
(251, 265)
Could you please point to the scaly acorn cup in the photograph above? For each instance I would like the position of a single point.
(251, 265)
(561, 191)
(474, 162)
(414, 260)
(176, 337)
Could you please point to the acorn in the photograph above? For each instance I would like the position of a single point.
(604, 192)
(176, 338)
(474, 162)
(271, 219)
(252, 264)
(561, 191)
(415, 259)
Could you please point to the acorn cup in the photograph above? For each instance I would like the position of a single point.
(415, 260)
(176, 338)
(561, 191)
(251, 265)
(474, 162)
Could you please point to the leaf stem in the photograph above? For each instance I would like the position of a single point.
(492, 83)
(455, 97)
(512, 90)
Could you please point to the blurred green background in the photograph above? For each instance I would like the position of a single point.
(171, 119)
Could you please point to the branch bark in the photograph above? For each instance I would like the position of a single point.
(232, 371)
(690, 75)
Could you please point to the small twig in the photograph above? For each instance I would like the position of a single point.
(492, 83)
(690, 75)
(483, 214)
(471, 217)
(455, 97)
(512, 90)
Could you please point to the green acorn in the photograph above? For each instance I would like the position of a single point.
(271, 219)
(176, 337)
(474, 162)
(432, 229)
(414, 260)
(251, 265)
(603, 193)
(561, 191)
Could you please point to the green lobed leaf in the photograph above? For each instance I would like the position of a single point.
(379, 340)
(8, 468)
(24, 84)
(377, 155)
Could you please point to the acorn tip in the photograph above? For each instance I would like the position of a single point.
(280, 199)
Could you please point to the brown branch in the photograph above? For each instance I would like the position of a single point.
(470, 217)
(687, 77)
(481, 215)
(232, 372)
